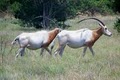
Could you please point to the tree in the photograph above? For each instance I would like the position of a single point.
(59, 10)
(116, 5)
(4, 4)
(28, 10)
(117, 25)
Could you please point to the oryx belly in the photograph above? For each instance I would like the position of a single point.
(35, 43)
(79, 39)
(37, 40)
(75, 40)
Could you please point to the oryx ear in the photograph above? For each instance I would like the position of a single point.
(101, 25)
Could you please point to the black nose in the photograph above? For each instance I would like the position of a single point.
(111, 34)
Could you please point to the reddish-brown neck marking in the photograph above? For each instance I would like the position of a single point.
(95, 36)
(97, 33)
(51, 35)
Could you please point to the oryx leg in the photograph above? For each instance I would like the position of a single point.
(42, 50)
(61, 50)
(22, 44)
(52, 45)
(92, 51)
(57, 50)
(62, 43)
(51, 49)
(84, 51)
(48, 50)
(21, 52)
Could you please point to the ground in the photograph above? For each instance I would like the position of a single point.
(105, 65)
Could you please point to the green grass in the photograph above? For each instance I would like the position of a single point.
(105, 65)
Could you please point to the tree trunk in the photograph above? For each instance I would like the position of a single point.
(46, 13)
(44, 26)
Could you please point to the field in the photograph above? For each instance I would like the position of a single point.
(105, 65)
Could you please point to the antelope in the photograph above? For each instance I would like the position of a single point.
(35, 40)
(81, 38)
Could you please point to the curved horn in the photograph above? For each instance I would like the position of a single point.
(46, 18)
(92, 18)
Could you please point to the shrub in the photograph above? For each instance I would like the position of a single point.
(117, 25)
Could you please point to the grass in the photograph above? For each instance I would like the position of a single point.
(105, 65)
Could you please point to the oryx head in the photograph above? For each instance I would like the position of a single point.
(105, 29)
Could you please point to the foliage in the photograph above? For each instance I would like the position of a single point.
(39, 7)
(93, 6)
(116, 5)
(117, 25)
(16, 6)
(58, 10)
(4, 4)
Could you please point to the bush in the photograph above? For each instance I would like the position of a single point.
(4, 4)
(96, 6)
(117, 25)
(16, 6)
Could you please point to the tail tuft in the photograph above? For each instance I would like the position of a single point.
(14, 41)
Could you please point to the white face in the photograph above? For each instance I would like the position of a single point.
(106, 31)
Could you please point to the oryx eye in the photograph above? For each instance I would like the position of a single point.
(105, 28)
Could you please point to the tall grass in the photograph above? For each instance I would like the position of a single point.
(105, 65)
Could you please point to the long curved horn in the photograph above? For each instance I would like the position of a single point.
(92, 18)
(46, 18)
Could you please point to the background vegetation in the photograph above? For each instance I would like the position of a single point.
(59, 10)
(117, 25)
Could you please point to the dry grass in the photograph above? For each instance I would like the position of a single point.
(105, 65)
